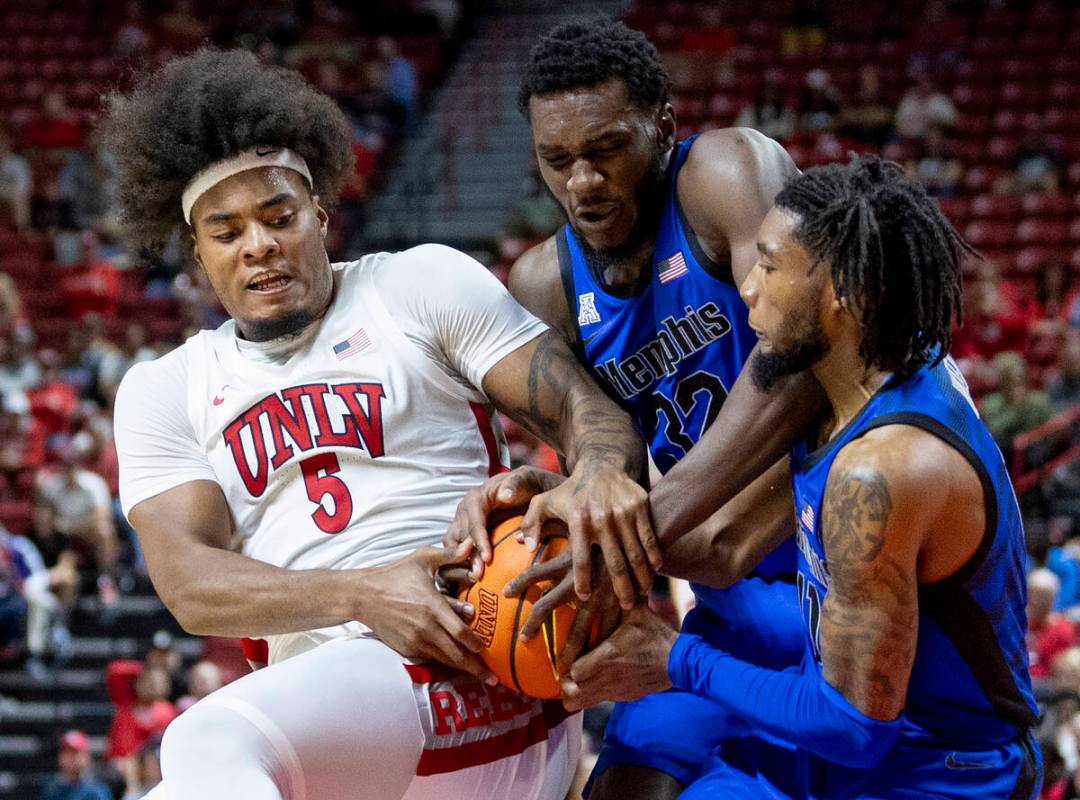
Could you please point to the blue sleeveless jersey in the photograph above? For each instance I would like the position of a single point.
(669, 350)
(969, 682)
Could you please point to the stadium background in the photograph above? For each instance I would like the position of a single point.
(978, 100)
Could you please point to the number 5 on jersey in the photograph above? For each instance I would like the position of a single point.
(319, 473)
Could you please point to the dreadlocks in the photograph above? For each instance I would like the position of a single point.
(579, 54)
(893, 254)
(208, 106)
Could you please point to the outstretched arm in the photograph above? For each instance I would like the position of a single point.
(544, 387)
(882, 502)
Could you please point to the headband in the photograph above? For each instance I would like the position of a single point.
(254, 157)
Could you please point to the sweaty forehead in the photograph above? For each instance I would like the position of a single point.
(563, 119)
(245, 191)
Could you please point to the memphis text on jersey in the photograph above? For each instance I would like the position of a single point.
(678, 339)
(292, 412)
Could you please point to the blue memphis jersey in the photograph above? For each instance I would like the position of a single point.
(668, 351)
(969, 682)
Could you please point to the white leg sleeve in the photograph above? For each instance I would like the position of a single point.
(339, 721)
(41, 607)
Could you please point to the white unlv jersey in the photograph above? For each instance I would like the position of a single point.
(350, 445)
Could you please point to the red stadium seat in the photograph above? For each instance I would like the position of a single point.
(1022, 69)
(989, 234)
(1074, 231)
(957, 209)
(1042, 231)
(972, 98)
(1074, 261)
(980, 178)
(1064, 91)
(1001, 149)
(1007, 121)
(995, 206)
(1022, 94)
(1031, 259)
(1038, 204)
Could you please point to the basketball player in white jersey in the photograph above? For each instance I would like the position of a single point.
(288, 472)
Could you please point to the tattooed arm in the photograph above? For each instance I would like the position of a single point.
(900, 507)
(542, 386)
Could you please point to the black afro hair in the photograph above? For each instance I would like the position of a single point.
(579, 54)
(207, 106)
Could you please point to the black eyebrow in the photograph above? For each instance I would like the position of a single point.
(554, 149)
(224, 216)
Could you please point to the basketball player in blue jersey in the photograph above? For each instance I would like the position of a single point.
(914, 681)
(643, 282)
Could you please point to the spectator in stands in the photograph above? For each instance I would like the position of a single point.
(139, 694)
(145, 771)
(868, 119)
(50, 594)
(537, 215)
(22, 443)
(13, 319)
(1049, 632)
(921, 107)
(1037, 165)
(73, 510)
(818, 108)
(1057, 298)
(88, 181)
(163, 655)
(92, 284)
(116, 363)
(55, 127)
(52, 401)
(16, 182)
(180, 29)
(203, 678)
(1064, 388)
(402, 83)
(132, 39)
(19, 371)
(996, 315)
(935, 166)
(75, 779)
(12, 601)
(1016, 407)
(769, 112)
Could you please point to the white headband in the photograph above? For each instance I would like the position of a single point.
(254, 157)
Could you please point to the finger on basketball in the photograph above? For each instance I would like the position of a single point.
(473, 510)
(615, 561)
(635, 556)
(449, 618)
(464, 610)
(578, 635)
(552, 569)
(542, 608)
(647, 537)
(450, 652)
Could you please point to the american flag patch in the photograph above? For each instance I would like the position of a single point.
(808, 517)
(353, 345)
(671, 268)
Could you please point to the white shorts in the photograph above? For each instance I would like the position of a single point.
(352, 719)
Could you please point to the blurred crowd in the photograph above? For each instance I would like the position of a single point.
(77, 310)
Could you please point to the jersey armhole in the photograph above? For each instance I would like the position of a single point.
(990, 510)
(721, 272)
(566, 275)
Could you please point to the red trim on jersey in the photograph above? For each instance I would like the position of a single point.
(483, 421)
(472, 754)
(255, 650)
(431, 673)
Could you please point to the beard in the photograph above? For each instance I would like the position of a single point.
(809, 347)
(291, 324)
(649, 199)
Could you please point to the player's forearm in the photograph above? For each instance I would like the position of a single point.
(800, 708)
(598, 434)
(753, 430)
(735, 539)
(215, 592)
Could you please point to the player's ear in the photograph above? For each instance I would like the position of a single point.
(321, 215)
(195, 251)
(665, 127)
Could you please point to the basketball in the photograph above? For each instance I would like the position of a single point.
(527, 667)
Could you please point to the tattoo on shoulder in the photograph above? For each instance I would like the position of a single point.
(869, 622)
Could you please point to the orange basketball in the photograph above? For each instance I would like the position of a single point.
(527, 667)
